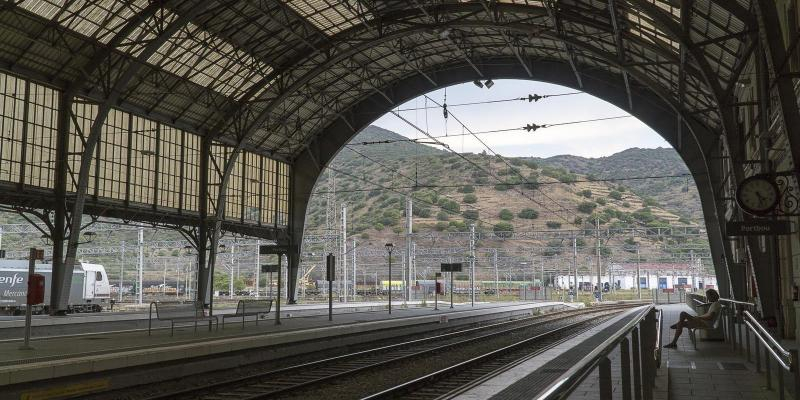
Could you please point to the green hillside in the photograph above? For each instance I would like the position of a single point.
(679, 195)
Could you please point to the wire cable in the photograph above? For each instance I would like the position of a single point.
(530, 98)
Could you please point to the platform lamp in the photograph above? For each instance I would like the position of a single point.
(187, 251)
(389, 248)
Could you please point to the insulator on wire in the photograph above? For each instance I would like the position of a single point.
(444, 110)
(534, 97)
(533, 127)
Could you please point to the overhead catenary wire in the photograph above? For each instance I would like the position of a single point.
(530, 98)
(511, 168)
(529, 127)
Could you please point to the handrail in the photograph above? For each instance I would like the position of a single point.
(657, 350)
(769, 348)
(744, 303)
(578, 372)
(764, 333)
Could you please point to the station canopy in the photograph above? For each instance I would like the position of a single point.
(271, 75)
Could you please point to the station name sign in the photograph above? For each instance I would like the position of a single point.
(451, 267)
(758, 227)
(273, 249)
(269, 268)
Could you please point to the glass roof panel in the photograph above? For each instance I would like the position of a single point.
(330, 16)
(209, 61)
(99, 19)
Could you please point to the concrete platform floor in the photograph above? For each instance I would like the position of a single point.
(45, 326)
(714, 371)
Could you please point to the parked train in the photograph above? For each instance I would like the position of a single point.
(89, 291)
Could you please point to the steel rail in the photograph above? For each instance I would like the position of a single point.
(487, 357)
(231, 384)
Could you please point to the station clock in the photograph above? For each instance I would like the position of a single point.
(758, 194)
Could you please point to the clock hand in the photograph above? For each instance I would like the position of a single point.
(761, 199)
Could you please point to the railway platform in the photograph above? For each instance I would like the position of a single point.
(715, 371)
(72, 363)
(12, 327)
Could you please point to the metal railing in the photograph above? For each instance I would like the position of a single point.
(740, 321)
(643, 348)
(786, 359)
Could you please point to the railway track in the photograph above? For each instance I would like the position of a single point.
(302, 380)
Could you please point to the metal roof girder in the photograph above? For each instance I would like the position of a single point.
(665, 23)
(612, 9)
(559, 26)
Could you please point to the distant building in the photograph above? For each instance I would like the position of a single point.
(651, 276)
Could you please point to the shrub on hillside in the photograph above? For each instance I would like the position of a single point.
(553, 224)
(506, 215)
(587, 207)
(466, 189)
(503, 229)
(470, 215)
(528, 213)
(470, 198)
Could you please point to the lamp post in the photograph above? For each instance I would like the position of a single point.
(389, 248)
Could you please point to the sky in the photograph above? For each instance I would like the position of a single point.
(591, 139)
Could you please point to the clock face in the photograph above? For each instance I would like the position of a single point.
(758, 195)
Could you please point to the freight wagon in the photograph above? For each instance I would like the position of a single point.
(89, 291)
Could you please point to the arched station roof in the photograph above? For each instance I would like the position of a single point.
(294, 80)
(270, 75)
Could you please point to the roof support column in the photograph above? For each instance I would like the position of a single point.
(295, 229)
(59, 225)
(61, 296)
(770, 35)
(205, 270)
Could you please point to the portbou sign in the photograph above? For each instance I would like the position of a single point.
(273, 249)
(758, 227)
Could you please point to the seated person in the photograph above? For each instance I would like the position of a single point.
(701, 321)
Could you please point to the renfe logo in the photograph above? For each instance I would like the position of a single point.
(13, 280)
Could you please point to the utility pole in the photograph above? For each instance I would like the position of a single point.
(409, 250)
(575, 263)
(121, 269)
(496, 277)
(344, 252)
(638, 272)
(258, 266)
(599, 272)
(141, 263)
(353, 249)
(472, 263)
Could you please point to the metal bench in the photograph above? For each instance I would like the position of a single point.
(179, 312)
(714, 325)
(246, 308)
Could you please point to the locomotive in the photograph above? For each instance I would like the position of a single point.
(90, 289)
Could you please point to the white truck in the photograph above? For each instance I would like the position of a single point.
(89, 291)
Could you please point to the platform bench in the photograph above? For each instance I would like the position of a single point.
(246, 308)
(714, 329)
(179, 312)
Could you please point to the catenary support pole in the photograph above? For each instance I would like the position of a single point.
(141, 265)
(597, 254)
(409, 250)
(258, 267)
(344, 252)
(472, 263)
